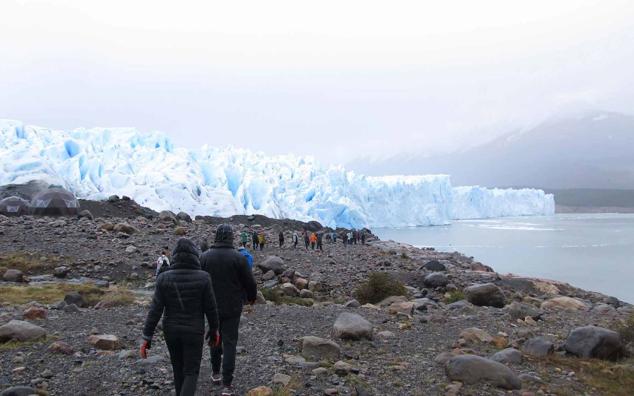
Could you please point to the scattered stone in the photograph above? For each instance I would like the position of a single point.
(486, 294)
(260, 391)
(320, 371)
(272, 263)
(281, 379)
(436, 279)
(565, 303)
(289, 289)
(391, 300)
(386, 334)
(61, 271)
(595, 342)
(318, 349)
(305, 293)
(13, 275)
(180, 231)
(35, 312)
(301, 283)
(352, 326)
(352, 304)
(518, 310)
(20, 330)
(508, 355)
(168, 216)
(106, 342)
(474, 335)
(61, 347)
(106, 227)
(131, 249)
(124, 228)
(85, 214)
(604, 309)
(342, 368)
(538, 346)
(471, 369)
(76, 299)
(406, 308)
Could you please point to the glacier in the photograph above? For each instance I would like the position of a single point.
(98, 162)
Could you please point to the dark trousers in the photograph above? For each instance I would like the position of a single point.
(225, 354)
(186, 351)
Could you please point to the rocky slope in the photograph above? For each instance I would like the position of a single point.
(445, 337)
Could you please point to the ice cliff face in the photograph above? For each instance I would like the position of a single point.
(96, 163)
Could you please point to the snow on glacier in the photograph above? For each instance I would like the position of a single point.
(96, 163)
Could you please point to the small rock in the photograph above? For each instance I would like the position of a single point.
(124, 228)
(406, 308)
(434, 265)
(352, 326)
(260, 391)
(342, 368)
(168, 216)
(281, 379)
(71, 308)
(85, 214)
(289, 289)
(19, 391)
(538, 346)
(180, 231)
(61, 347)
(61, 271)
(352, 304)
(305, 293)
(474, 335)
(318, 349)
(131, 249)
(272, 263)
(508, 355)
(35, 312)
(436, 279)
(184, 217)
(106, 342)
(565, 303)
(76, 299)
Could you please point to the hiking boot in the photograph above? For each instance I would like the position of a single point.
(228, 390)
(216, 379)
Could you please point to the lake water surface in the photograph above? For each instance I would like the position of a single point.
(591, 251)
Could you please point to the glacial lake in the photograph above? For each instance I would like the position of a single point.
(590, 251)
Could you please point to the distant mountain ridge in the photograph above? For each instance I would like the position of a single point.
(594, 150)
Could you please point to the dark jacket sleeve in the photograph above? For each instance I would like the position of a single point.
(247, 279)
(209, 305)
(156, 311)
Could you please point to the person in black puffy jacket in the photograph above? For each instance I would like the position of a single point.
(184, 296)
(233, 282)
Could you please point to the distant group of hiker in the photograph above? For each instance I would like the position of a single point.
(195, 283)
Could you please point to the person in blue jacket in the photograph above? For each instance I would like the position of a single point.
(243, 251)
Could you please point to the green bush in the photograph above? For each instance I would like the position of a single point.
(378, 287)
(277, 297)
(454, 296)
(626, 330)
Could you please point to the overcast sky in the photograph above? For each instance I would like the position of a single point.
(334, 79)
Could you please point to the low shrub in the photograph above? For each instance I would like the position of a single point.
(52, 293)
(378, 287)
(454, 296)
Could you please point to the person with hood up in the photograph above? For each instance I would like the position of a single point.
(254, 240)
(232, 281)
(295, 239)
(313, 240)
(320, 241)
(306, 239)
(281, 238)
(184, 297)
(261, 240)
(244, 238)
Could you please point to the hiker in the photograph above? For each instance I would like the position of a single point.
(313, 240)
(233, 281)
(185, 295)
(295, 239)
(349, 237)
(261, 240)
(243, 251)
(344, 239)
(363, 237)
(244, 238)
(306, 239)
(320, 242)
(281, 238)
(163, 262)
(254, 240)
(334, 237)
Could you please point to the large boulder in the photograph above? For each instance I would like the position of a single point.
(595, 342)
(13, 275)
(124, 228)
(434, 265)
(474, 335)
(471, 369)
(486, 294)
(290, 290)
(19, 391)
(272, 263)
(74, 298)
(182, 216)
(564, 303)
(352, 326)
(436, 279)
(318, 349)
(538, 346)
(20, 330)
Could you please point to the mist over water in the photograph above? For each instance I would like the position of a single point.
(591, 251)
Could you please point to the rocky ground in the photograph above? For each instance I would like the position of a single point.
(505, 335)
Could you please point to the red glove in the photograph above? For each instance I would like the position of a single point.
(144, 348)
(213, 339)
(216, 339)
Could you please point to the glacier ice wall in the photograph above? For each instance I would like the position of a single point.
(95, 163)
